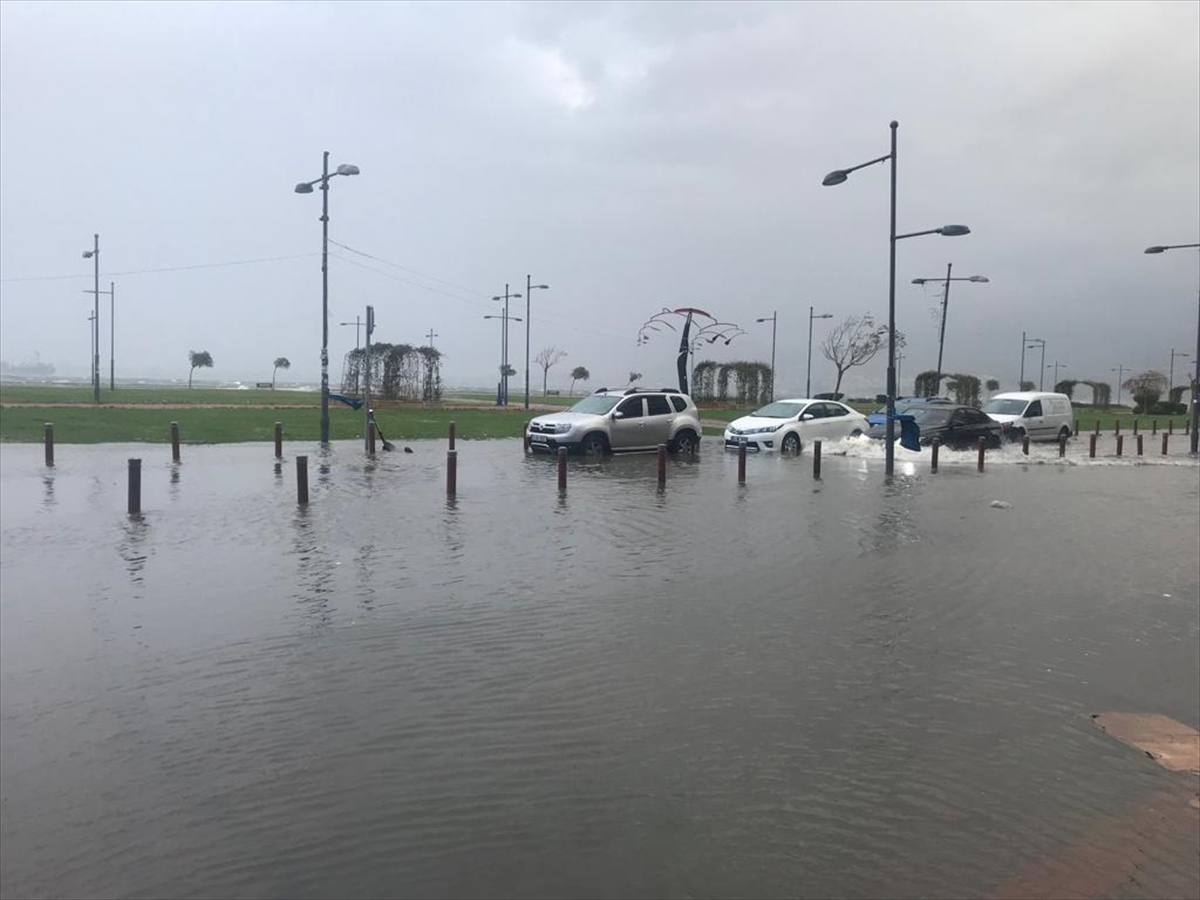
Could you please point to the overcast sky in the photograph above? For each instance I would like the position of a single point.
(634, 156)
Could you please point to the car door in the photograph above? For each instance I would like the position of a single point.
(628, 425)
(811, 421)
(1035, 421)
(837, 423)
(659, 417)
(973, 425)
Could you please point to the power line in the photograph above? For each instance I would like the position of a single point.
(397, 265)
(216, 265)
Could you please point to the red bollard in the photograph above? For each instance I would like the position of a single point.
(1092, 447)
(1025, 445)
(982, 450)
(451, 472)
(1139, 439)
(816, 459)
(935, 446)
(662, 466)
(562, 469)
(1120, 444)
(302, 480)
(174, 442)
(1165, 436)
(741, 463)
(279, 440)
(48, 433)
(451, 435)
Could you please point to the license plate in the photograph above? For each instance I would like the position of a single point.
(537, 438)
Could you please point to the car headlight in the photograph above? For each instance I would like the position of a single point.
(766, 429)
(562, 427)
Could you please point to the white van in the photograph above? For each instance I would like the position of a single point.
(1042, 416)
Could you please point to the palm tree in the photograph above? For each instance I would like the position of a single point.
(579, 373)
(281, 362)
(634, 376)
(200, 359)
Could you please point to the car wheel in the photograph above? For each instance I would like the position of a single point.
(856, 433)
(594, 444)
(791, 443)
(685, 443)
(1016, 435)
(1064, 433)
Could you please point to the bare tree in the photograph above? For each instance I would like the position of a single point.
(547, 357)
(634, 376)
(854, 342)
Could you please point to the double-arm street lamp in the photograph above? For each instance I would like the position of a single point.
(978, 279)
(773, 319)
(112, 331)
(1029, 344)
(506, 296)
(1057, 365)
(306, 187)
(94, 256)
(837, 176)
(1195, 448)
(808, 378)
(1171, 370)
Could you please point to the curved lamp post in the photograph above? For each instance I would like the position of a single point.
(773, 319)
(506, 296)
(1195, 443)
(306, 187)
(808, 379)
(94, 256)
(978, 279)
(837, 176)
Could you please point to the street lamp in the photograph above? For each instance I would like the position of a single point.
(306, 187)
(1120, 370)
(92, 336)
(529, 289)
(1034, 342)
(773, 319)
(978, 279)
(837, 176)
(357, 323)
(112, 332)
(1195, 448)
(808, 379)
(1057, 365)
(1171, 371)
(504, 343)
(501, 394)
(94, 255)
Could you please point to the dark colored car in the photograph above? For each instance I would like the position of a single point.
(907, 404)
(958, 427)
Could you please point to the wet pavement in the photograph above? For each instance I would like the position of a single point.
(843, 687)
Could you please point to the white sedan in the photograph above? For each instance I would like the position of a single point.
(790, 425)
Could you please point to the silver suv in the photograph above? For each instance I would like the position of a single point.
(620, 421)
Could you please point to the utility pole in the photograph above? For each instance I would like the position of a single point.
(431, 335)
(94, 256)
(112, 340)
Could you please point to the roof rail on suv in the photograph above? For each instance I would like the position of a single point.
(641, 390)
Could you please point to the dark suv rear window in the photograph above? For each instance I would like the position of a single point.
(679, 403)
(657, 405)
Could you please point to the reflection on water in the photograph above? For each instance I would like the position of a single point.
(853, 687)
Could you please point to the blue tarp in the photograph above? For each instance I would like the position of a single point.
(352, 402)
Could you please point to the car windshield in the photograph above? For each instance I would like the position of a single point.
(780, 410)
(1005, 407)
(594, 405)
(931, 416)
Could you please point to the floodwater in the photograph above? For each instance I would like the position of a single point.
(844, 687)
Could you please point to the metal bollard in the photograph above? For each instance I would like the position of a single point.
(1170, 426)
(451, 472)
(174, 442)
(1097, 426)
(371, 438)
(135, 487)
(1025, 444)
(279, 440)
(1120, 445)
(741, 463)
(935, 446)
(1154, 426)
(1092, 447)
(1062, 447)
(451, 435)
(302, 480)
(48, 431)
(525, 437)
(1139, 442)
(562, 469)
(1165, 436)
(1076, 429)
(816, 459)
(662, 466)
(982, 450)
(1117, 426)
(1135, 425)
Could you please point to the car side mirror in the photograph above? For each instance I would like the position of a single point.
(806, 416)
(617, 414)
